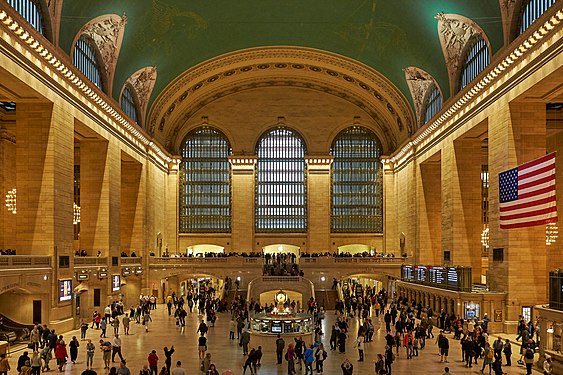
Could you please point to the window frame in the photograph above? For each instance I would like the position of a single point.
(526, 18)
(267, 208)
(210, 212)
(476, 49)
(92, 63)
(133, 101)
(371, 209)
(41, 16)
(429, 109)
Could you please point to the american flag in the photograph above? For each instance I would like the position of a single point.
(527, 194)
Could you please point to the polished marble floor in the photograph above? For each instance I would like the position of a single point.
(227, 355)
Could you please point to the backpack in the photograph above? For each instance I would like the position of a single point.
(490, 354)
(529, 354)
(286, 356)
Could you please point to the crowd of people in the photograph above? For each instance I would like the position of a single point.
(7, 251)
(408, 328)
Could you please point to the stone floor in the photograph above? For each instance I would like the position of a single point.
(227, 355)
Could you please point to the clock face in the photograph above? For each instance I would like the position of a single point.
(281, 297)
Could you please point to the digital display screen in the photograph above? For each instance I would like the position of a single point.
(407, 273)
(276, 327)
(65, 293)
(115, 283)
(436, 275)
(420, 273)
(452, 277)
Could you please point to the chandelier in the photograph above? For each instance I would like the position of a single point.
(11, 201)
(551, 233)
(485, 237)
(76, 216)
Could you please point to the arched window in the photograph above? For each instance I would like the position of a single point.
(31, 11)
(532, 10)
(128, 104)
(85, 60)
(281, 193)
(477, 59)
(357, 182)
(433, 104)
(205, 182)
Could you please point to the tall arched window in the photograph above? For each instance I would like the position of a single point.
(85, 60)
(433, 104)
(477, 59)
(205, 182)
(128, 104)
(357, 182)
(281, 193)
(532, 10)
(31, 11)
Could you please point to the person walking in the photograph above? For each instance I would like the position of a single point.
(290, 358)
(280, 346)
(245, 340)
(116, 348)
(202, 346)
(529, 359)
(178, 370)
(248, 363)
(380, 365)
(90, 349)
(103, 327)
(126, 324)
(73, 348)
(309, 357)
(443, 346)
(35, 363)
(61, 353)
(488, 358)
(389, 358)
(320, 356)
(83, 329)
(547, 365)
(105, 347)
(360, 345)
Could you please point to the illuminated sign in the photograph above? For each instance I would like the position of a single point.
(65, 292)
(115, 283)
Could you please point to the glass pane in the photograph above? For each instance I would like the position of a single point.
(357, 182)
(31, 11)
(281, 203)
(205, 182)
(84, 59)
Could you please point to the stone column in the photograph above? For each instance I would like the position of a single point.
(517, 134)
(461, 203)
(172, 196)
(100, 197)
(44, 179)
(430, 213)
(318, 187)
(390, 230)
(8, 222)
(242, 225)
(133, 208)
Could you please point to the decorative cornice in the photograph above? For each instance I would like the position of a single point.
(142, 81)
(280, 63)
(107, 32)
(419, 83)
(455, 32)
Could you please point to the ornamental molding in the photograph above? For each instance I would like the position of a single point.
(279, 63)
(419, 82)
(178, 130)
(142, 81)
(507, 8)
(455, 32)
(107, 33)
(55, 8)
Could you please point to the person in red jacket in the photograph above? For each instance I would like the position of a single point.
(60, 353)
(153, 362)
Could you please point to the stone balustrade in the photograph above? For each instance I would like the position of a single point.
(25, 261)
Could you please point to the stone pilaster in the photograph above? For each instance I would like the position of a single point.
(517, 134)
(390, 233)
(44, 174)
(132, 208)
(242, 206)
(461, 204)
(172, 207)
(429, 249)
(318, 188)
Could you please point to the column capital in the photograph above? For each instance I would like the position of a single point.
(319, 164)
(242, 164)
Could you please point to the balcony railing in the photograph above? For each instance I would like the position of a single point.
(24, 261)
(136, 261)
(90, 261)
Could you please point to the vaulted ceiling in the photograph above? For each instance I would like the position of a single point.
(176, 35)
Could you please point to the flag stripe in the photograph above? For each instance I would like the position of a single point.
(520, 206)
(529, 223)
(527, 194)
(531, 218)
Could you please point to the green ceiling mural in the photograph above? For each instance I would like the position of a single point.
(174, 35)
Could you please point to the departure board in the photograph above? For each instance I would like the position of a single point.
(453, 281)
(407, 273)
(420, 274)
(436, 276)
